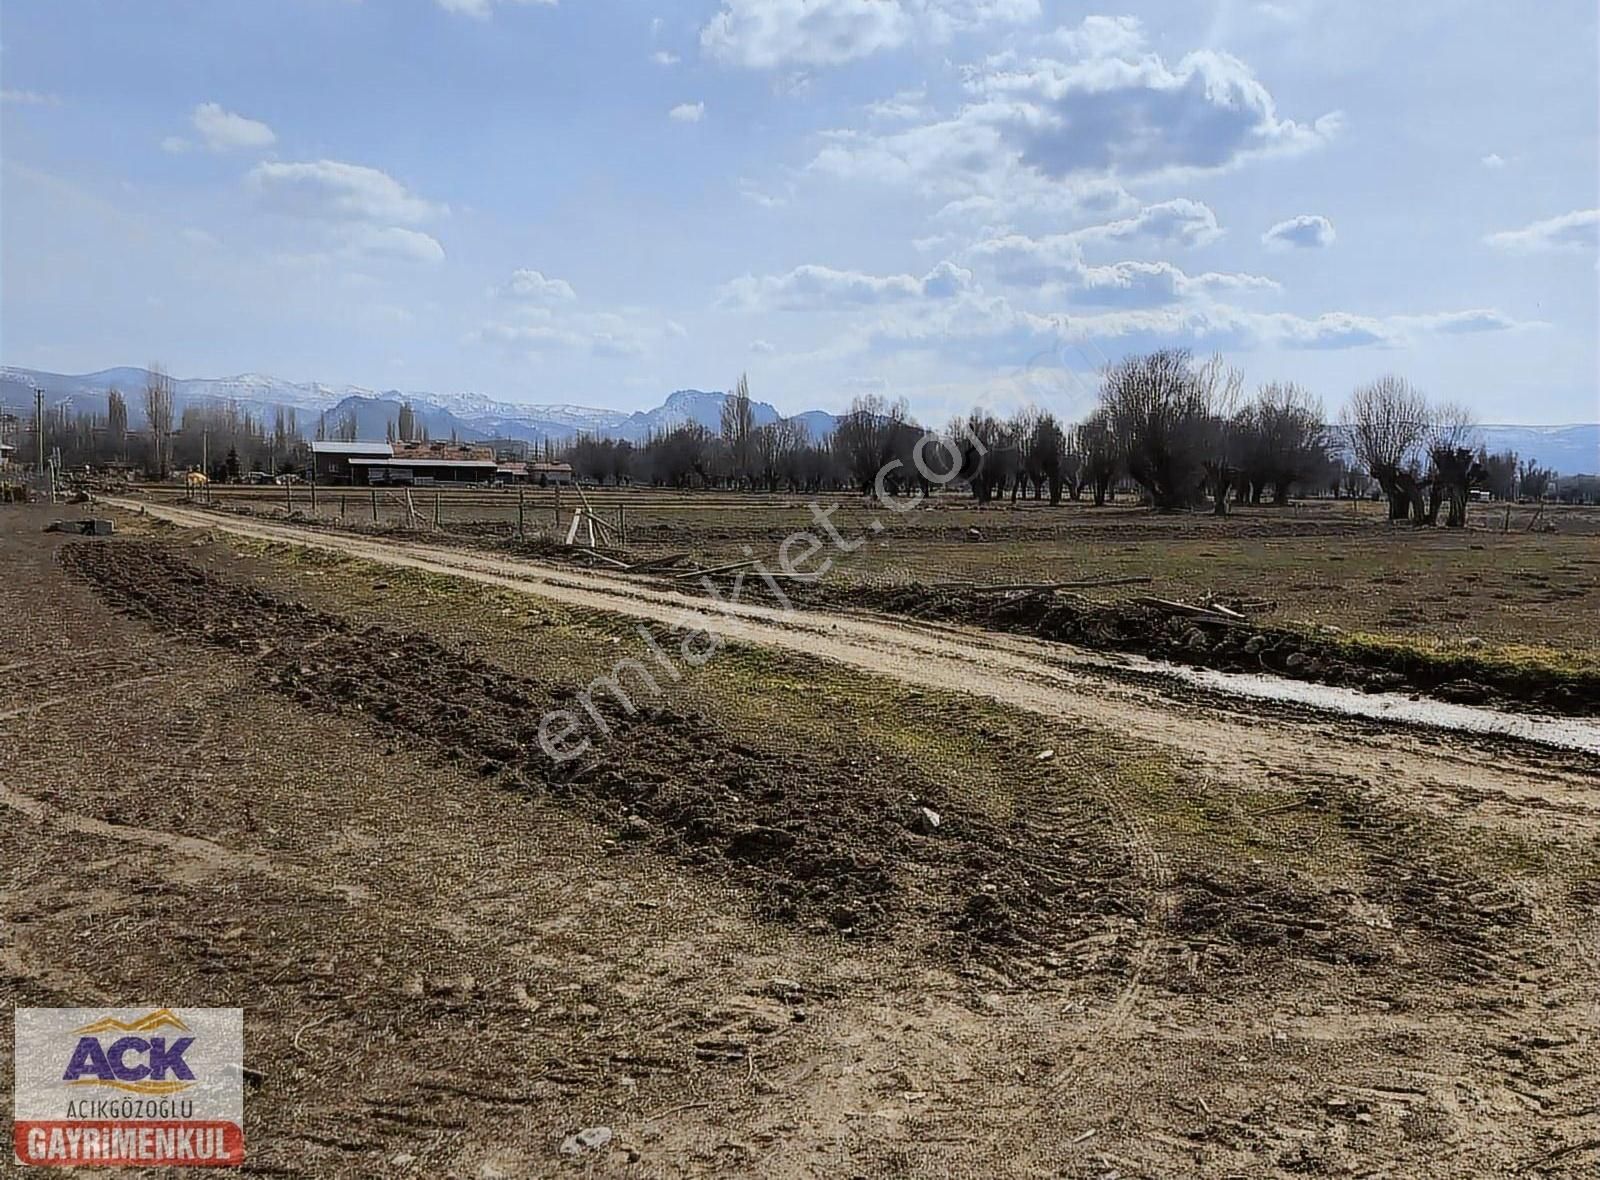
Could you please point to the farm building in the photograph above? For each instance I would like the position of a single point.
(402, 463)
(426, 463)
(540, 474)
(330, 461)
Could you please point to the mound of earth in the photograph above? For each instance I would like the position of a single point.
(1228, 644)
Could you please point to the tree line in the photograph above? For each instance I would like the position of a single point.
(1179, 433)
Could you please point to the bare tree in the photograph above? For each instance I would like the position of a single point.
(1387, 421)
(158, 412)
(773, 445)
(1533, 481)
(1284, 442)
(1499, 473)
(1223, 436)
(1452, 438)
(738, 428)
(117, 422)
(1159, 412)
(1099, 454)
(868, 437)
(1044, 449)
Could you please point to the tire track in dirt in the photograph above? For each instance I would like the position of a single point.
(1050, 679)
(206, 857)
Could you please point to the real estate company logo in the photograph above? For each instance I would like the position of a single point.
(142, 1087)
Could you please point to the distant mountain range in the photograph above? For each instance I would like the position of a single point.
(472, 417)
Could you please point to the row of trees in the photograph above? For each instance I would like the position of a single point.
(1182, 432)
(219, 438)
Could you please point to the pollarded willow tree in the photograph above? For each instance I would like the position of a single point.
(1159, 409)
(1387, 421)
(1284, 441)
(1453, 462)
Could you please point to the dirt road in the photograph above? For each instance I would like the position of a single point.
(1053, 680)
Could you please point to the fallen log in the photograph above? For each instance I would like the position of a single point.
(716, 569)
(1199, 613)
(611, 561)
(657, 562)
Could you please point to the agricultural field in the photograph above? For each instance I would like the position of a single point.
(887, 881)
(1498, 588)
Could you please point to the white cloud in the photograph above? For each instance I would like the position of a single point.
(331, 190)
(534, 287)
(906, 104)
(1493, 160)
(28, 98)
(1053, 266)
(944, 19)
(662, 58)
(1178, 222)
(223, 131)
(1033, 137)
(394, 243)
(1099, 36)
(1457, 323)
(687, 112)
(482, 9)
(1308, 231)
(762, 348)
(1577, 232)
(1137, 116)
(176, 144)
(822, 288)
(763, 34)
(1155, 284)
(600, 334)
(769, 34)
(995, 330)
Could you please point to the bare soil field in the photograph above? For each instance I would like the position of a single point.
(852, 897)
(1495, 587)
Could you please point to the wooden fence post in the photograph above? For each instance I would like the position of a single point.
(374, 505)
(521, 489)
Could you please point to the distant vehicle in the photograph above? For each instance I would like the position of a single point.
(258, 477)
(289, 477)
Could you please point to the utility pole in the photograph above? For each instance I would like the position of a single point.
(38, 430)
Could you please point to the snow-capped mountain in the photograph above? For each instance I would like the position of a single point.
(467, 416)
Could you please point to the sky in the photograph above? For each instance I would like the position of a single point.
(957, 202)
